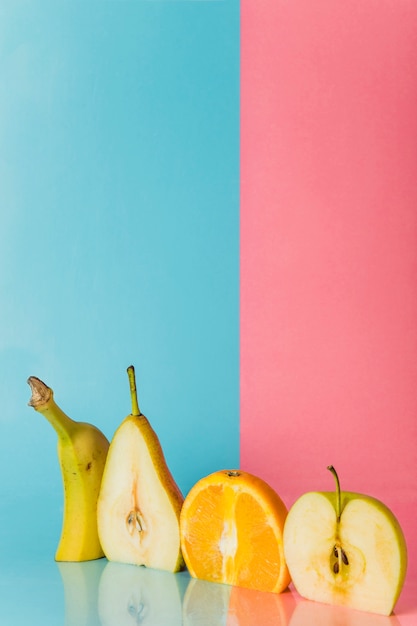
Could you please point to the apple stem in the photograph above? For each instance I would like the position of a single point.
(133, 392)
(338, 495)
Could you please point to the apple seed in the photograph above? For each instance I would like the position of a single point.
(341, 556)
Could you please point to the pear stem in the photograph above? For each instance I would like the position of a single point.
(133, 392)
(338, 494)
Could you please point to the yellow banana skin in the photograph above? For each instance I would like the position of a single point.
(82, 452)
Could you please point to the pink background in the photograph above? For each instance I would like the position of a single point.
(329, 249)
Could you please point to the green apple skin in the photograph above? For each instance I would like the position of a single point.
(369, 574)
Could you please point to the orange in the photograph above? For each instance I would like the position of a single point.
(231, 527)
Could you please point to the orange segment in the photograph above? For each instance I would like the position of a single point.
(231, 531)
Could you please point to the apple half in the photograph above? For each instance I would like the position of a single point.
(345, 548)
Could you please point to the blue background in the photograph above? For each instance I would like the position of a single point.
(119, 237)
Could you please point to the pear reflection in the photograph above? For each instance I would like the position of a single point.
(248, 607)
(130, 595)
(206, 603)
(316, 614)
(81, 583)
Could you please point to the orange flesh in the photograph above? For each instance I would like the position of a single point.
(231, 532)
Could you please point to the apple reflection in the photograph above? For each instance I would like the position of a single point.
(308, 613)
(129, 595)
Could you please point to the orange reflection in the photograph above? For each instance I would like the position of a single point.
(206, 603)
(310, 613)
(248, 607)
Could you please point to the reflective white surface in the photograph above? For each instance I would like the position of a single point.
(99, 593)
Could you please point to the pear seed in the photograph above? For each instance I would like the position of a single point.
(344, 558)
(336, 568)
(336, 552)
(134, 522)
(129, 522)
(139, 524)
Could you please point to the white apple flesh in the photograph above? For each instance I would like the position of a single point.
(345, 548)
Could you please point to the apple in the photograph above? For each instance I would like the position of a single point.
(345, 548)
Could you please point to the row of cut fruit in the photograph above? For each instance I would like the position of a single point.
(121, 501)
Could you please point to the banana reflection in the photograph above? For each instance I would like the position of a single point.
(81, 583)
(317, 614)
(129, 595)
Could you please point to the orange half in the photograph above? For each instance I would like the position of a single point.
(231, 528)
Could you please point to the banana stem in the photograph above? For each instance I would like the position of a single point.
(42, 400)
(133, 392)
(338, 495)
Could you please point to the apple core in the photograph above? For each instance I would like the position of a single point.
(339, 558)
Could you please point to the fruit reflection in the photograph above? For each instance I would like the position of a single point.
(318, 614)
(206, 603)
(248, 607)
(130, 595)
(81, 582)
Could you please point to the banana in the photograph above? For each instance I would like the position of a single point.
(82, 452)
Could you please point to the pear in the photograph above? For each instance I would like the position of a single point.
(139, 504)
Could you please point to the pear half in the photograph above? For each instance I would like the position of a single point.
(139, 503)
(345, 548)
